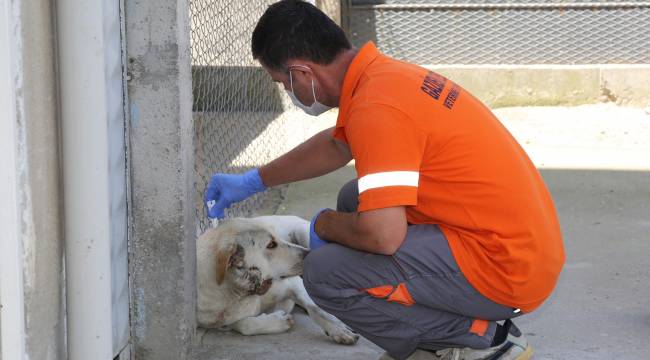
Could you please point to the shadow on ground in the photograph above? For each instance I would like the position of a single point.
(600, 309)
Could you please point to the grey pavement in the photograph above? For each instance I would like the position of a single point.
(596, 161)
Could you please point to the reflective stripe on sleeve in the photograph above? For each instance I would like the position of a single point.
(390, 178)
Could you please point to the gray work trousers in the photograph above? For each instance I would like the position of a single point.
(440, 310)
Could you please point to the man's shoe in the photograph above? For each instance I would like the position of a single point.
(515, 347)
(419, 354)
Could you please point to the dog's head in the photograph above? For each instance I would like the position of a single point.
(250, 255)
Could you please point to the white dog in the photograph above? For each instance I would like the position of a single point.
(248, 281)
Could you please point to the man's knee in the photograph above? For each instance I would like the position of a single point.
(348, 198)
(313, 273)
(315, 266)
(326, 277)
(322, 269)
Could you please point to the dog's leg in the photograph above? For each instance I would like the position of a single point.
(272, 323)
(285, 305)
(333, 327)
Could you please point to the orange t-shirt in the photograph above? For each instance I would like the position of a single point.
(420, 140)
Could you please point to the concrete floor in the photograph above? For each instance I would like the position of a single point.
(596, 162)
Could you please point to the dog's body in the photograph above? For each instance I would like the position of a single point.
(248, 281)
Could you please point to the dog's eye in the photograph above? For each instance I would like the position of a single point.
(272, 245)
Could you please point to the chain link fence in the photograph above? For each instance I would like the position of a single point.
(498, 32)
(239, 113)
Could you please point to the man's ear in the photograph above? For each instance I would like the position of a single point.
(223, 260)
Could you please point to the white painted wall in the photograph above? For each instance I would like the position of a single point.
(32, 317)
(11, 250)
(31, 255)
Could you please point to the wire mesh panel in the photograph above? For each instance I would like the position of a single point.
(497, 32)
(238, 111)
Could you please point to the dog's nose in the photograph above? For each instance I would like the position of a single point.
(253, 268)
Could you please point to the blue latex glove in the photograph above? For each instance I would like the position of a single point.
(314, 240)
(225, 189)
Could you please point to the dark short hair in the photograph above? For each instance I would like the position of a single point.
(291, 29)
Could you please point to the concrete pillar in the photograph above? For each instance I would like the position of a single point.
(30, 200)
(162, 230)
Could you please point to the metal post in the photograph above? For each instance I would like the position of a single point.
(91, 112)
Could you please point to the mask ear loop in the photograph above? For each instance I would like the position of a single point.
(291, 80)
(313, 88)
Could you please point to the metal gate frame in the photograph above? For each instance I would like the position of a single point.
(94, 180)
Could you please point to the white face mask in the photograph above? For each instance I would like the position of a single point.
(316, 108)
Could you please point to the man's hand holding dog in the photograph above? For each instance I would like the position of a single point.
(315, 241)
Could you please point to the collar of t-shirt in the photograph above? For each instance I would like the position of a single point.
(367, 54)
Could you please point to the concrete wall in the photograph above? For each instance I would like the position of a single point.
(161, 235)
(501, 86)
(37, 200)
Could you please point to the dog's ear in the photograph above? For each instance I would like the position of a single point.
(223, 260)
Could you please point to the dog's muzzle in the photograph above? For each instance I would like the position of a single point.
(263, 287)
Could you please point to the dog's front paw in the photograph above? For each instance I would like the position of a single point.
(342, 334)
(282, 320)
